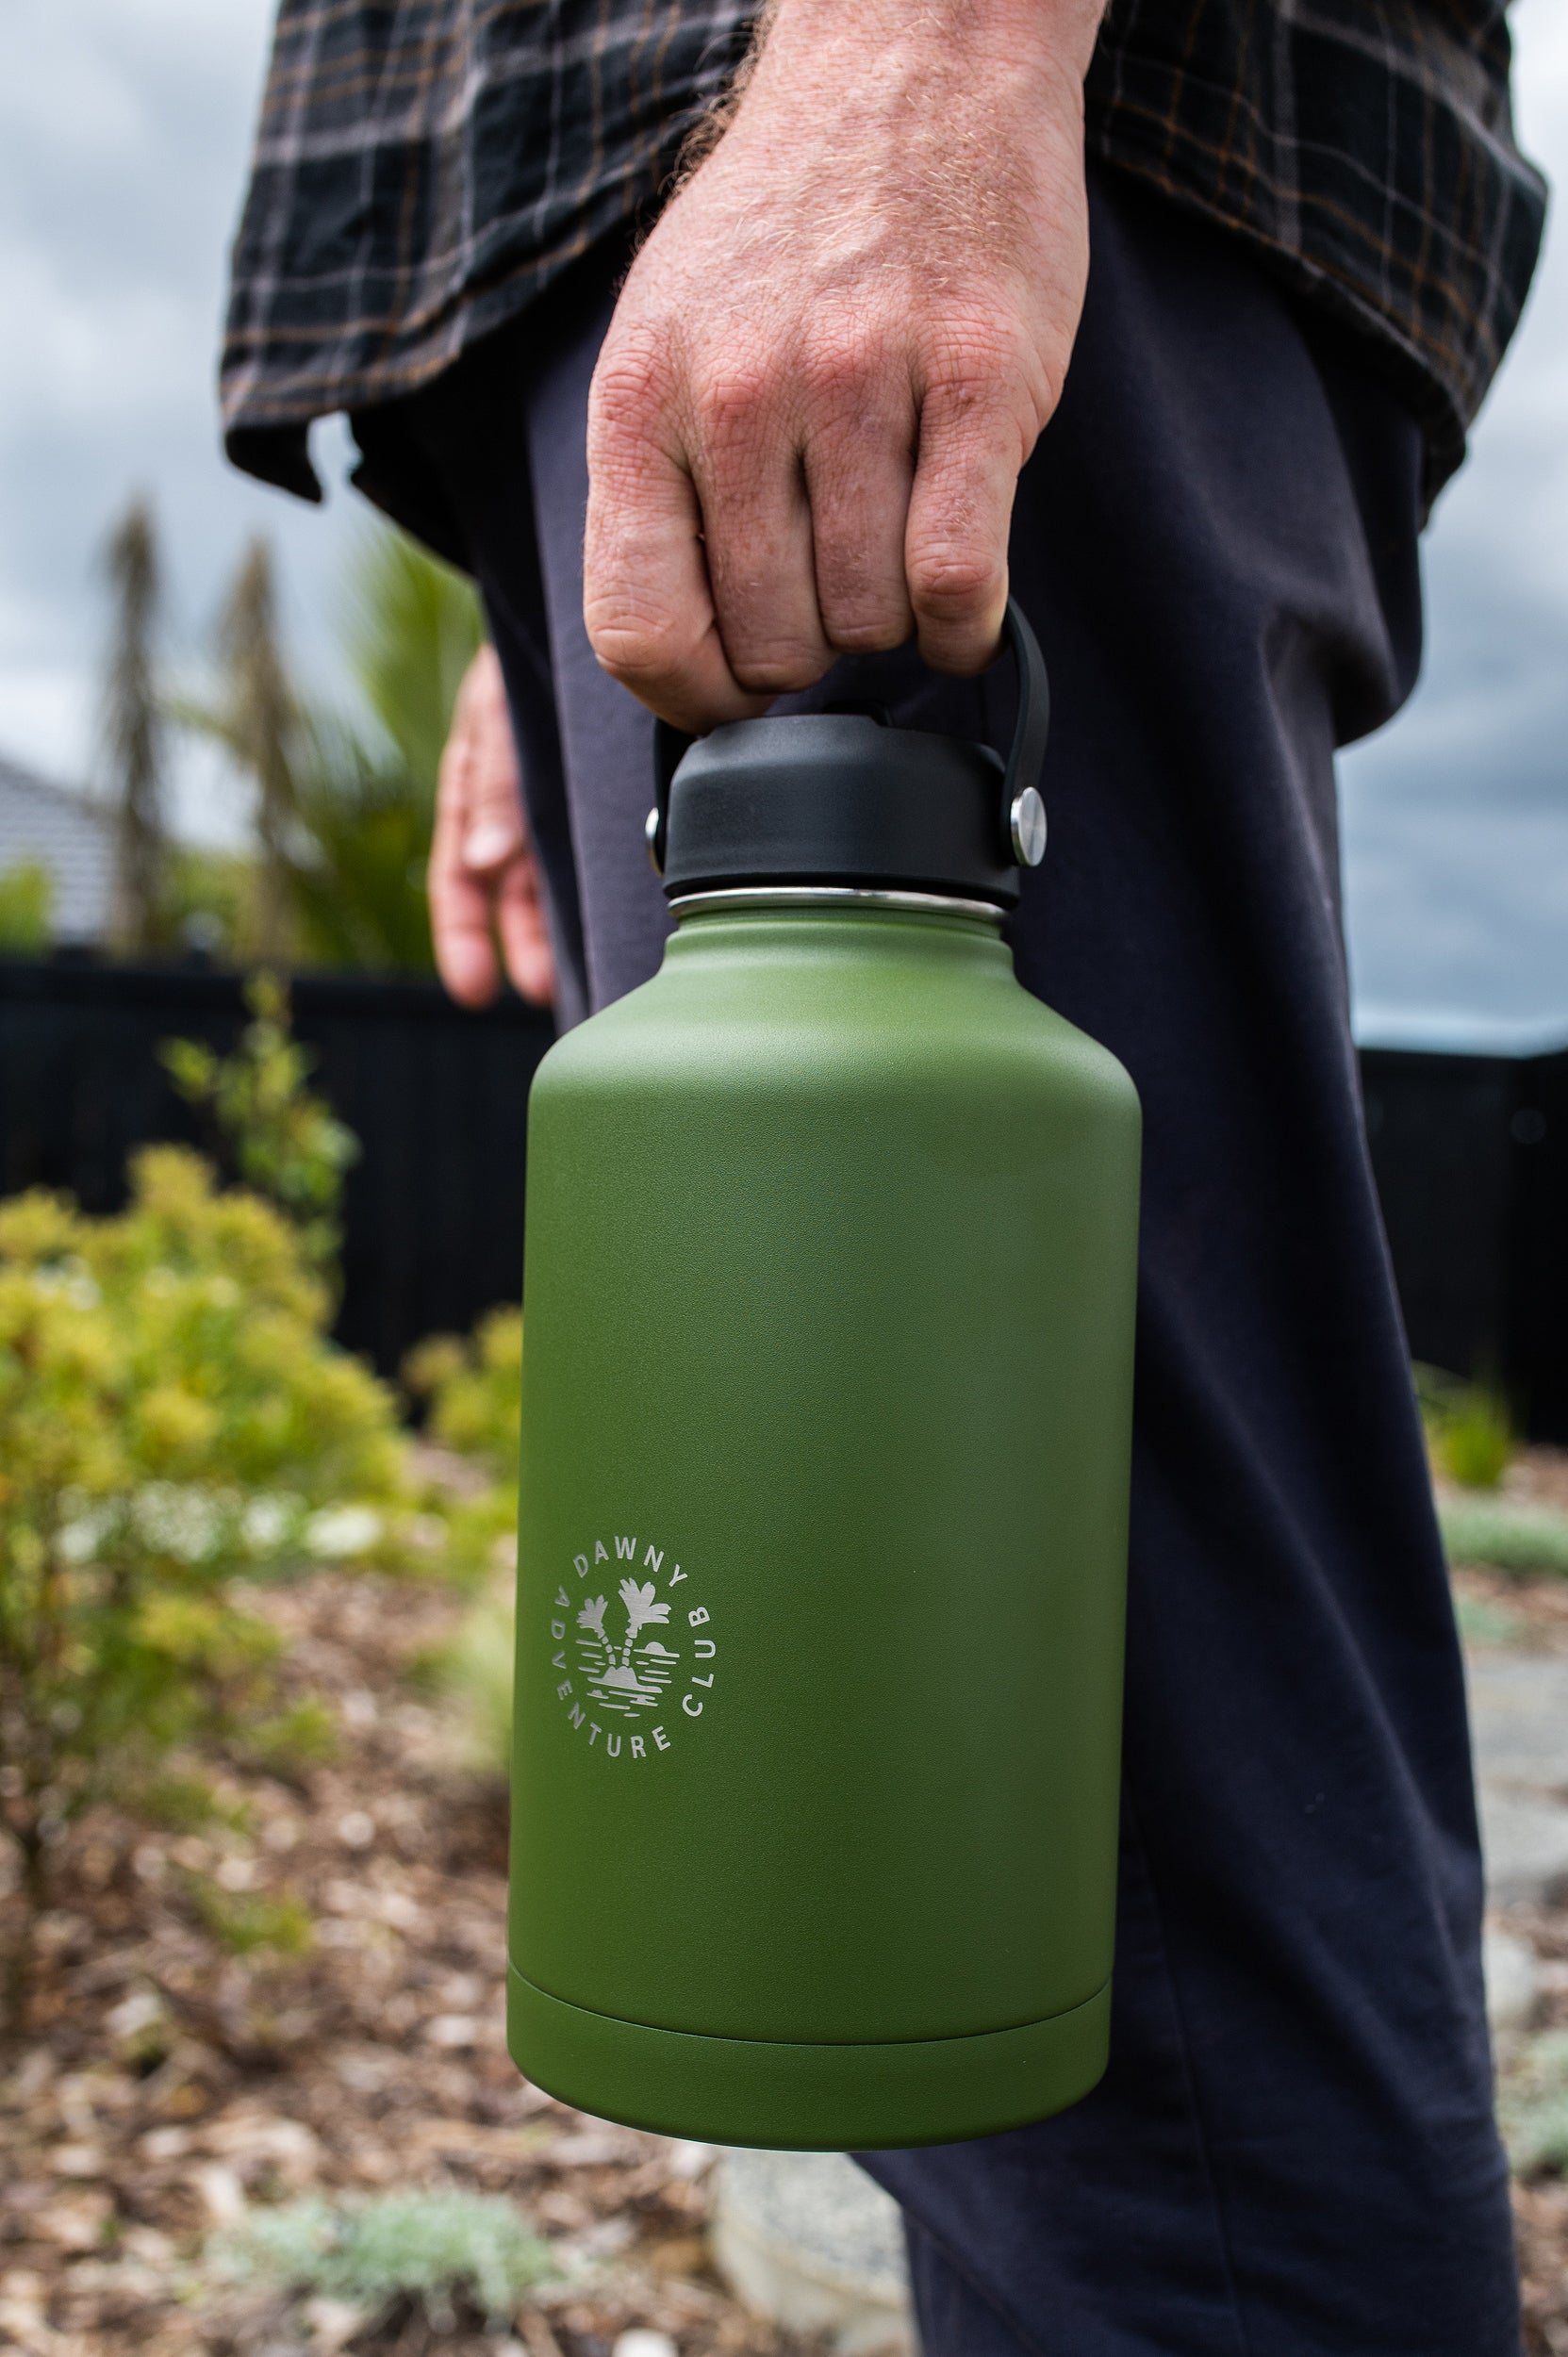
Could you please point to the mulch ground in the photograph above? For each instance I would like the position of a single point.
(1535, 1612)
(166, 2082)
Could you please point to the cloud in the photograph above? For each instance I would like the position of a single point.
(124, 127)
(1455, 816)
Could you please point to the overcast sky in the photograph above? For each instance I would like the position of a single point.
(124, 125)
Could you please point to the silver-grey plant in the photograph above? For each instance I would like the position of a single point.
(436, 2248)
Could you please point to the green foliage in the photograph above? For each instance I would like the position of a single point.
(186, 1802)
(1532, 2107)
(173, 1418)
(26, 905)
(293, 1741)
(415, 628)
(134, 736)
(286, 1142)
(350, 795)
(212, 900)
(248, 1922)
(476, 1670)
(473, 1390)
(1505, 1536)
(1483, 1623)
(1468, 1427)
(434, 2250)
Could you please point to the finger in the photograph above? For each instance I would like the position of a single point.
(757, 531)
(459, 901)
(972, 445)
(647, 600)
(494, 830)
(525, 934)
(859, 472)
(460, 918)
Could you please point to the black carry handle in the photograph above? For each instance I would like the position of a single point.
(1025, 756)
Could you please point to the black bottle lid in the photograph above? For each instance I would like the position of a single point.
(840, 798)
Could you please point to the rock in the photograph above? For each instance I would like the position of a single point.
(643, 2343)
(1519, 1714)
(1524, 1839)
(333, 2323)
(808, 2241)
(223, 2195)
(1512, 1981)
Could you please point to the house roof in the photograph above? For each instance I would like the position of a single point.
(68, 836)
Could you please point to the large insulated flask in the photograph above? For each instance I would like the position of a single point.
(828, 1363)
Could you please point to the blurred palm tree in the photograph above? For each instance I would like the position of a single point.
(134, 738)
(259, 723)
(345, 802)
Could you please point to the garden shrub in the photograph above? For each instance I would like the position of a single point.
(476, 1671)
(1469, 1427)
(173, 1421)
(473, 1394)
(26, 907)
(473, 1390)
(285, 1143)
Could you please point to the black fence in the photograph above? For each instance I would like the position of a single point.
(437, 1097)
(1471, 1153)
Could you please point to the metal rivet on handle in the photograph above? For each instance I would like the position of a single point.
(1027, 820)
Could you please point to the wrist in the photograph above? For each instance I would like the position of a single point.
(1058, 34)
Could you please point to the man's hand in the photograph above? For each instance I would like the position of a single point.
(836, 352)
(482, 879)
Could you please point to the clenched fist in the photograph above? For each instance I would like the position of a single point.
(836, 352)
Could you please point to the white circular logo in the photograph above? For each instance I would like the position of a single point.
(632, 1650)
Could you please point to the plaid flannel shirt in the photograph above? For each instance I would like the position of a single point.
(425, 169)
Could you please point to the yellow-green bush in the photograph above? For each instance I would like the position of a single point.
(1469, 1427)
(473, 1396)
(27, 906)
(173, 1421)
(474, 1389)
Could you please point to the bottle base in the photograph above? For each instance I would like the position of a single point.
(800, 2097)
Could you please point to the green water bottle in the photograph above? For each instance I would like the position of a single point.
(831, 1253)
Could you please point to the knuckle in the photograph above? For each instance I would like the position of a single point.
(735, 402)
(638, 647)
(981, 373)
(953, 583)
(634, 378)
(839, 370)
(779, 671)
(864, 605)
(868, 633)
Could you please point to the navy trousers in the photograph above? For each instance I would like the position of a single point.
(1292, 2152)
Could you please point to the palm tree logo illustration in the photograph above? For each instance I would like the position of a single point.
(643, 1610)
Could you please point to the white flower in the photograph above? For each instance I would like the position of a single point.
(342, 1530)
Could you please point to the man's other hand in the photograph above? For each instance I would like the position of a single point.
(483, 881)
(836, 352)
